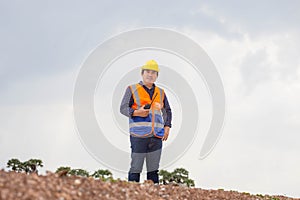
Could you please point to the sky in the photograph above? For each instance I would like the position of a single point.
(253, 44)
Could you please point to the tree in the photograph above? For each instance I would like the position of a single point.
(178, 176)
(79, 172)
(15, 165)
(29, 166)
(63, 171)
(104, 175)
(60, 169)
(166, 177)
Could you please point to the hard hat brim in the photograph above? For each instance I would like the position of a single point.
(150, 68)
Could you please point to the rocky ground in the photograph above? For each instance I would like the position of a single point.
(59, 187)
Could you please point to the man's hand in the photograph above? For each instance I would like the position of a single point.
(166, 135)
(141, 112)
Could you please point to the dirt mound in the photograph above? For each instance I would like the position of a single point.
(53, 186)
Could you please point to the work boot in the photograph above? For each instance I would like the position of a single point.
(134, 177)
(153, 176)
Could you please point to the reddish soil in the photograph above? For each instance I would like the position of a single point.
(60, 187)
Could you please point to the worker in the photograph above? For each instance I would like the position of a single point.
(147, 107)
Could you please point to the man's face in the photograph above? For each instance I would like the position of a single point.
(149, 76)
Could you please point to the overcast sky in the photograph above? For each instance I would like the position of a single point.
(255, 46)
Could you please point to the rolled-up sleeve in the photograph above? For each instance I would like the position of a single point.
(127, 101)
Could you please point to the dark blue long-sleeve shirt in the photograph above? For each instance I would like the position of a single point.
(128, 101)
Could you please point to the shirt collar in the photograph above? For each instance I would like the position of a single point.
(141, 83)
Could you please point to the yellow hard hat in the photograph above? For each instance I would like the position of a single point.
(151, 65)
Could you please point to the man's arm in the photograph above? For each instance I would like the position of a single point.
(167, 112)
(167, 115)
(126, 104)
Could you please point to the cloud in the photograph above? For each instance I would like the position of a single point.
(44, 90)
(260, 134)
(255, 17)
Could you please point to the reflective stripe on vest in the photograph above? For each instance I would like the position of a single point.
(136, 95)
(153, 123)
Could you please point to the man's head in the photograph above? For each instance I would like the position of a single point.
(150, 72)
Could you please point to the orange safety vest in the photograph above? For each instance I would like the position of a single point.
(153, 123)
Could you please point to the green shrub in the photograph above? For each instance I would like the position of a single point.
(178, 176)
(79, 172)
(104, 175)
(29, 166)
(15, 165)
(60, 169)
(101, 174)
